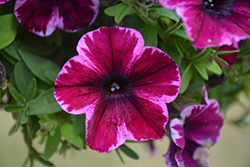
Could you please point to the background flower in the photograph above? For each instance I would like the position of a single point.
(120, 85)
(191, 140)
(42, 17)
(213, 23)
(3, 1)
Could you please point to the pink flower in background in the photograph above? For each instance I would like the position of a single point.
(191, 141)
(212, 23)
(3, 1)
(43, 17)
(229, 58)
(120, 85)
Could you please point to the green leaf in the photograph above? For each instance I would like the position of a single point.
(67, 132)
(31, 90)
(37, 45)
(79, 124)
(22, 77)
(51, 145)
(64, 147)
(32, 127)
(144, 12)
(212, 66)
(219, 60)
(192, 88)
(12, 130)
(15, 94)
(42, 161)
(185, 79)
(173, 53)
(24, 117)
(126, 150)
(164, 12)
(39, 66)
(11, 50)
(181, 32)
(45, 103)
(8, 29)
(7, 57)
(136, 22)
(119, 155)
(52, 73)
(149, 34)
(184, 47)
(121, 11)
(13, 108)
(185, 99)
(110, 11)
(201, 69)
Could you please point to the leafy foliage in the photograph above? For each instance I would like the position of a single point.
(32, 64)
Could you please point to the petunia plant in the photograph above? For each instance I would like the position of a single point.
(90, 74)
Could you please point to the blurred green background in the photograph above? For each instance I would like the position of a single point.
(232, 149)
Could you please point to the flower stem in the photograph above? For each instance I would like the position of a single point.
(151, 22)
(202, 54)
(174, 28)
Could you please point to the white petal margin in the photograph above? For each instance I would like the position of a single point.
(177, 134)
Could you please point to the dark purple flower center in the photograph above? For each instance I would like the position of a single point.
(116, 86)
(223, 7)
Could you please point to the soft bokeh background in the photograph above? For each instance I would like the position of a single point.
(232, 149)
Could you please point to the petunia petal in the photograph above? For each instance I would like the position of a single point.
(177, 144)
(76, 87)
(173, 155)
(238, 22)
(155, 75)
(202, 122)
(187, 154)
(114, 121)
(42, 17)
(4, 1)
(177, 132)
(203, 28)
(170, 4)
(229, 58)
(111, 49)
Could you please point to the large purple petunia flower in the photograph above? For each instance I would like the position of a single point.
(42, 17)
(191, 141)
(120, 85)
(213, 22)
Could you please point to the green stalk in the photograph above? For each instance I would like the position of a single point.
(205, 52)
(151, 22)
(174, 28)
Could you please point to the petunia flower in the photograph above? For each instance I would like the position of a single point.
(212, 23)
(230, 57)
(4, 1)
(43, 17)
(120, 85)
(191, 140)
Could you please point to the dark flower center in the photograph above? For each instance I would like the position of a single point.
(223, 7)
(115, 87)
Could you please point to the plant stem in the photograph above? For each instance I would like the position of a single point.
(202, 54)
(174, 28)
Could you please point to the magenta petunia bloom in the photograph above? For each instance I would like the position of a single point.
(191, 141)
(213, 22)
(120, 85)
(42, 17)
(4, 1)
(229, 58)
